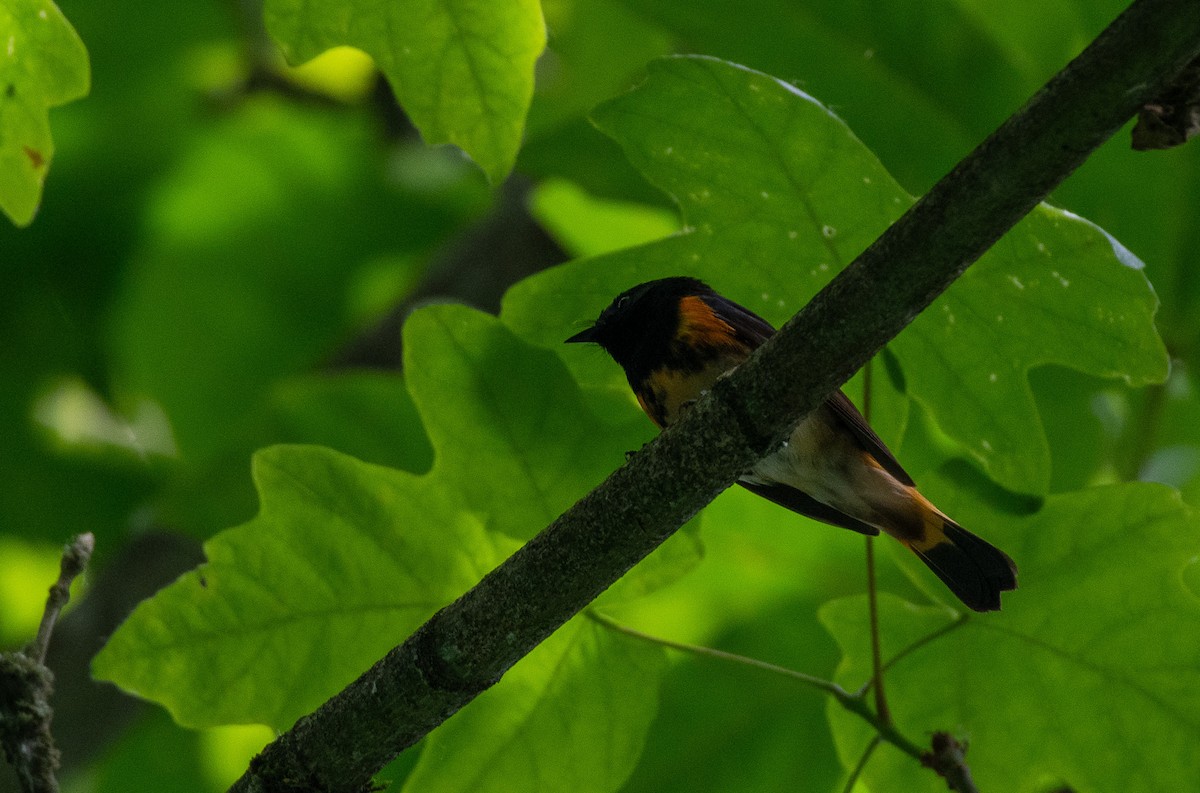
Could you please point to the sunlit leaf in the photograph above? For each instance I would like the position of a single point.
(587, 226)
(584, 693)
(345, 558)
(43, 64)
(343, 561)
(462, 69)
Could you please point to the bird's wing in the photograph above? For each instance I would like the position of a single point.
(804, 504)
(852, 420)
(749, 327)
(754, 330)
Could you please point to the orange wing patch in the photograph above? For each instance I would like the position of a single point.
(700, 326)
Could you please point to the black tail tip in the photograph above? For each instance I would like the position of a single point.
(974, 570)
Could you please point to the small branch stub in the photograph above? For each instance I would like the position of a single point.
(1173, 118)
(26, 685)
(948, 757)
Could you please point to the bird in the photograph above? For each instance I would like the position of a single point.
(675, 337)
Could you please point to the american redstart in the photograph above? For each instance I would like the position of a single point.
(674, 337)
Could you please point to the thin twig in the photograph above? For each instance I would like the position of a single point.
(25, 711)
(877, 667)
(862, 763)
(74, 561)
(852, 702)
(960, 621)
(828, 686)
(881, 704)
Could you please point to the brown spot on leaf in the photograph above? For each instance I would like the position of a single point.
(35, 157)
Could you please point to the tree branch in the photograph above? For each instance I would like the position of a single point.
(26, 685)
(467, 646)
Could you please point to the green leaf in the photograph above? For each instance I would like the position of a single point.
(513, 436)
(587, 226)
(1099, 648)
(925, 59)
(778, 196)
(726, 727)
(1054, 290)
(343, 561)
(43, 64)
(585, 693)
(462, 69)
(509, 426)
(345, 558)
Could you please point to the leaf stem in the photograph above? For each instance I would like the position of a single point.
(872, 745)
(855, 703)
(877, 668)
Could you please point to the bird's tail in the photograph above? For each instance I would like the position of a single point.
(974, 570)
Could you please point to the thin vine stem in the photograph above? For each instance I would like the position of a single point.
(960, 620)
(877, 667)
(855, 703)
(862, 763)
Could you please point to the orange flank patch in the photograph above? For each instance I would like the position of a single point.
(699, 325)
(671, 390)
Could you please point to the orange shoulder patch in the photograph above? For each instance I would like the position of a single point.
(699, 325)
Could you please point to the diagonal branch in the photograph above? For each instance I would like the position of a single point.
(467, 646)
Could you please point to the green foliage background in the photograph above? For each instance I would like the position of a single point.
(216, 229)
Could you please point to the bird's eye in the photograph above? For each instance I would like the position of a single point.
(622, 301)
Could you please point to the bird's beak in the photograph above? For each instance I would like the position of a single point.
(583, 336)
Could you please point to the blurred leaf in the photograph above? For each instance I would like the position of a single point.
(239, 282)
(368, 415)
(45, 65)
(462, 69)
(579, 152)
(295, 604)
(27, 571)
(778, 196)
(595, 49)
(226, 751)
(588, 226)
(585, 693)
(154, 756)
(343, 73)
(1098, 648)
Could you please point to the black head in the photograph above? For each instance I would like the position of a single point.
(641, 319)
